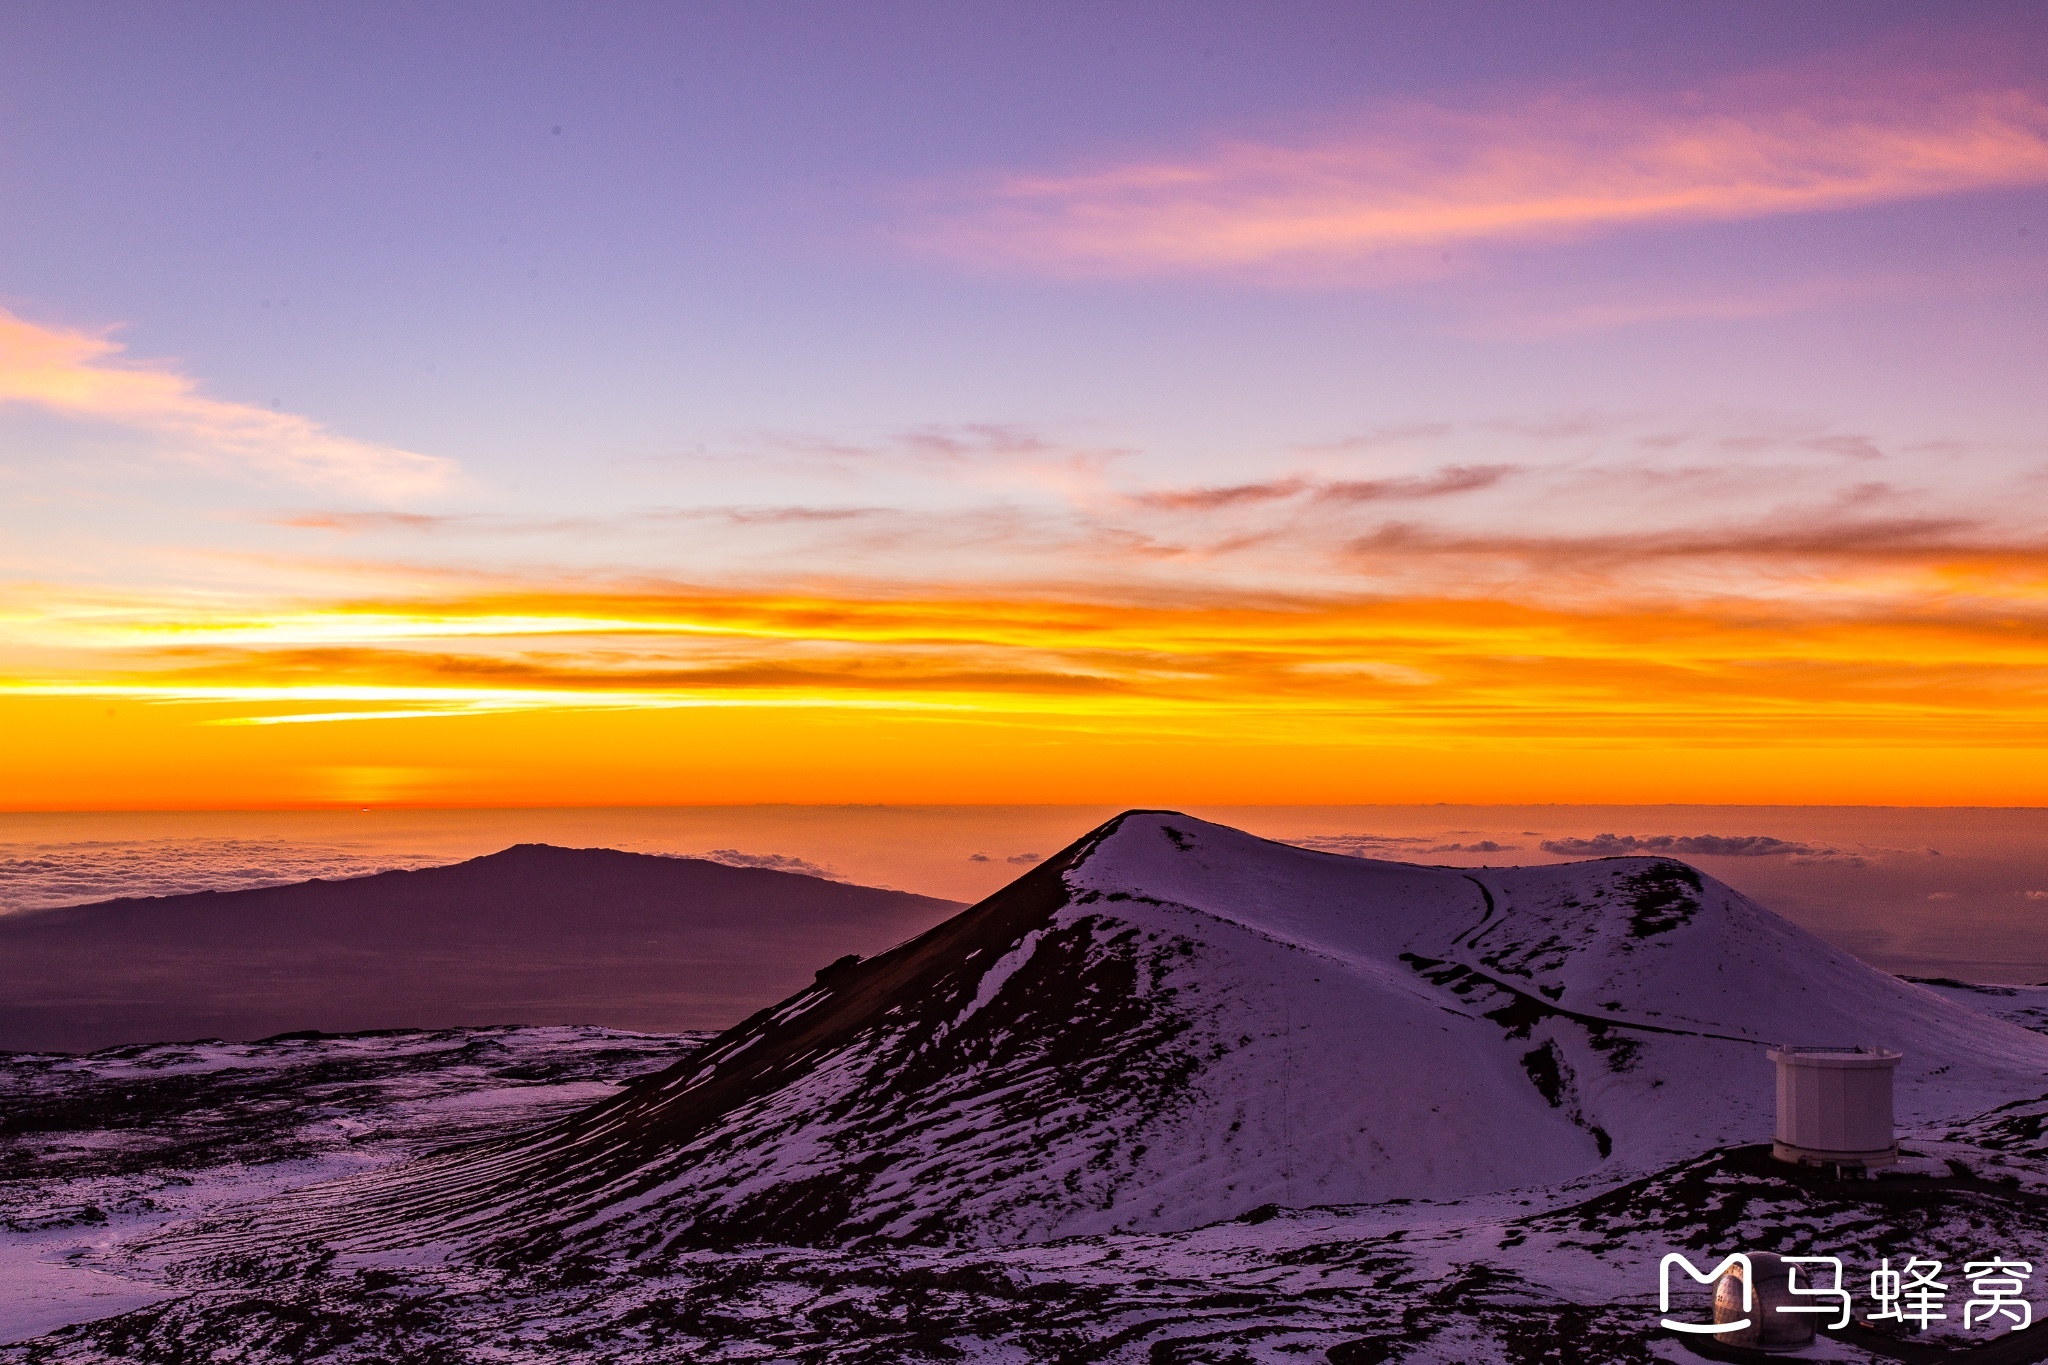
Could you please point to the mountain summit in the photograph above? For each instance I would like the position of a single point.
(1172, 1023)
(534, 934)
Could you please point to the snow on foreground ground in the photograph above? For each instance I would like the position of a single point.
(97, 1151)
(1179, 1095)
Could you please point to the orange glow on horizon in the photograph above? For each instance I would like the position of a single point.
(1641, 413)
(707, 698)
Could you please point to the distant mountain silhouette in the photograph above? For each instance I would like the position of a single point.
(532, 935)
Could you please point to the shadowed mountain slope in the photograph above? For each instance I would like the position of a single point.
(532, 935)
(1173, 1023)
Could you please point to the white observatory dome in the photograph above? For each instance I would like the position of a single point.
(1835, 1105)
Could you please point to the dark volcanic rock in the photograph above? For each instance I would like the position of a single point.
(1173, 1023)
(532, 935)
(1178, 1095)
(907, 1077)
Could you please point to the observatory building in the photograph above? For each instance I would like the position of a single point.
(1835, 1106)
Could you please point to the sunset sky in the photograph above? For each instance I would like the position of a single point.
(950, 402)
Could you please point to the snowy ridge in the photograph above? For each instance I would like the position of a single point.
(1173, 1023)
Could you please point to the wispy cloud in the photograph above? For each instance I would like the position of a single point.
(353, 523)
(1582, 510)
(1388, 196)
(1717, 581)
(1804, 532)
(1932, 569)
(81, 375)
(393, 521)
(1005, 455)
(1221, 496)
(1445, 482)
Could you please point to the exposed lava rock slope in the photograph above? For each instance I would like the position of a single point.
(1173, 1023)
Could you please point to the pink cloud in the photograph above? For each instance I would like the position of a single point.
(1388, 197)
(1445, 482)
(80, 375)
(1211, 499)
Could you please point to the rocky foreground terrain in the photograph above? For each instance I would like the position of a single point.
(1178, 1094)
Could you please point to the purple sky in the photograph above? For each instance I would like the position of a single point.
(704, 252)
(1624, 307)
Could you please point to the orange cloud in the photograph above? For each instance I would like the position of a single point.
(667, 694)
(1386, 198)
(1770, 594)
(1470, 671)
(80, 375)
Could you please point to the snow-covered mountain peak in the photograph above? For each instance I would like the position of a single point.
(1357, 909)
(1173, 1023)
(1643, 942)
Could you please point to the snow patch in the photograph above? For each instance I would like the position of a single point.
(998, 975)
